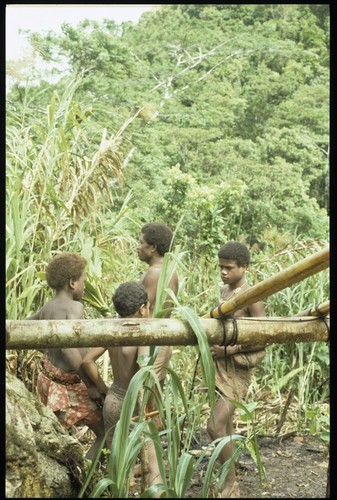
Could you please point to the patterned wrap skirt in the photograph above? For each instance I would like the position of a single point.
(67, 396)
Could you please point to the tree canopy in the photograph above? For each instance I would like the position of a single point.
(234, 134)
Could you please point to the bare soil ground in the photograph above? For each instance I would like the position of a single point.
(295, 467)
(296, 464)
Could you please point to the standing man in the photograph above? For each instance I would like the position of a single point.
(155, 240)
(232, 363)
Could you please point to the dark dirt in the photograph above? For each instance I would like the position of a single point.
(295, 467)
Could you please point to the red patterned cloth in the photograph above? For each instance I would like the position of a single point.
(67, 396)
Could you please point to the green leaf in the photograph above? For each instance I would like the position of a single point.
(208, 476)
(184, 473)
(100, 487)
(282, 381)
(206, 360)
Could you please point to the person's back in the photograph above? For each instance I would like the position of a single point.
(124, 364)
(130, 300)
(61, 307)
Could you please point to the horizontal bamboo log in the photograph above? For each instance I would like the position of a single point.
(312, 264)
(321, 309)
(40, 334)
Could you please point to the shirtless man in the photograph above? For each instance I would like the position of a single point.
(62, 385)
(231, 380)
(130, 301)
(155, 240)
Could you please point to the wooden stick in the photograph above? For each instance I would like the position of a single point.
(285, 409)
(146, 415)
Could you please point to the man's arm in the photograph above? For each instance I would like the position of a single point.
(150, 283)
(256, 310)
(90, 368)
(73, 358)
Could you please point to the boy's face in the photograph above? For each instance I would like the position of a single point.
(79, 287)
(230, 272)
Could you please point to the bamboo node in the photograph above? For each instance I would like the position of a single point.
(322, 316)
(76, 330)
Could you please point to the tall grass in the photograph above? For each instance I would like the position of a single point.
(59, 197)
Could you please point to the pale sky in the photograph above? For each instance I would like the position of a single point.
(46, 17)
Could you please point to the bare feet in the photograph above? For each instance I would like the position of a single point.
(230, 491)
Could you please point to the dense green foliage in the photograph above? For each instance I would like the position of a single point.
(211, 118)
(239, 142)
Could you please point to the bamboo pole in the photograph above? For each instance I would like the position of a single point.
(297, 272)
(322, 309)
(41, 334)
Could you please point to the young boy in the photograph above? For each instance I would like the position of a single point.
(62, 385)
(232, 380)
(155, 240)
(130, 301)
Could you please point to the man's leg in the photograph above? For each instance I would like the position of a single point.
(154, 473)
(98, 429)
(222, 426)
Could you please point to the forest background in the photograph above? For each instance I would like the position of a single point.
(213, 119)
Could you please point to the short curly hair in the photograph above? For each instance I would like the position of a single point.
(159, 234)
(64, 267)
(129, 297)
(233, 250)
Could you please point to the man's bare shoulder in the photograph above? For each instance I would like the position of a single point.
(154, 269)
(62, 309)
